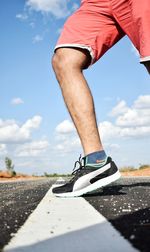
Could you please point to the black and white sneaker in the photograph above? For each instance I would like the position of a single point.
(88, 178)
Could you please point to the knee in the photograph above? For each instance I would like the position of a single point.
(57, 61)
(62, 61)
(66, 59)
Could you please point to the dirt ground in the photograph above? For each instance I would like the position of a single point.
(142, 172)
(6, 176)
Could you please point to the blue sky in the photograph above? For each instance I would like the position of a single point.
(35, 128)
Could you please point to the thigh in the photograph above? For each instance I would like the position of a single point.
(134, 18)
(91, 27)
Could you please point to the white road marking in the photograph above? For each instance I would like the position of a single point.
(61, 180)
(67, 225)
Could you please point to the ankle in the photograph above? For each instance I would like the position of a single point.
(96, 158)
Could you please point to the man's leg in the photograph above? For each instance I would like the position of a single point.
(68, 64)
(147, 65)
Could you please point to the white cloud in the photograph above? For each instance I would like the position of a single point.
(112, 131)
(131, 121)
(37, 38)
(32, 149)
(67, 140)
(112, 147)
(22, 16)
(3, 149)
(58, 8)
(12, 132)
(65, 127)
(138, 114)
(143, 102)
(119, 109)
(108, 130)
(17, 101)
(32, 123)
(134, 118)
(69, 144)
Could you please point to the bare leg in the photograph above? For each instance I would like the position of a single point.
(147, 65)
(68, 64)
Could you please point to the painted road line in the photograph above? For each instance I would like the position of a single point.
(67, 225)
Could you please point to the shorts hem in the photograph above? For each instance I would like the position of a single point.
(78, 46)
(144, 59)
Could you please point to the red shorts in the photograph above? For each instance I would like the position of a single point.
(98, 24)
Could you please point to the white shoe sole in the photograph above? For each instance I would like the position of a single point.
(98, 184)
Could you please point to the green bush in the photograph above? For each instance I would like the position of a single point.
(10, 166)
(127, 169)
(56, 175)
(144, 167)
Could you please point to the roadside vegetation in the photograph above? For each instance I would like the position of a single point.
(131, 168)
(9, 171)
(144, 167)
(55, 175)
(10, 167)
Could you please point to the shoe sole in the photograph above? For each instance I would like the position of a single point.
(98, 184)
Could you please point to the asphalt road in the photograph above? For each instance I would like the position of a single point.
(125, 204)
(17, 201)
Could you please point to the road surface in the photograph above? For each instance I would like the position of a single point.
(17, 202)
(125, 204)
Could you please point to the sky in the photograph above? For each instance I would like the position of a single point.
(36, 131)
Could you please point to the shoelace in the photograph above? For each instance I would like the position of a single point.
(81, 166)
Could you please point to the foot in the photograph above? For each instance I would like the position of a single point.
(88, 178)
